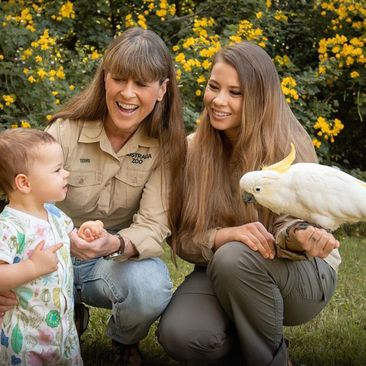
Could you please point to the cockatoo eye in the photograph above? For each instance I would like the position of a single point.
(257, 189)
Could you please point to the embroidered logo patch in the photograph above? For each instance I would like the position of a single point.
(138, 158)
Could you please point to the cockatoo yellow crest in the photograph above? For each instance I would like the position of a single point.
(315, 193)
(283, 165)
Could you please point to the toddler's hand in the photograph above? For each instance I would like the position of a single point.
(44, 260)
(91, 230)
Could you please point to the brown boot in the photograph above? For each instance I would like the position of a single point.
(126, 354)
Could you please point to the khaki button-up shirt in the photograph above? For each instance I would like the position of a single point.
(126, 190)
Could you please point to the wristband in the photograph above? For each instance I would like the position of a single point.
(120, 251)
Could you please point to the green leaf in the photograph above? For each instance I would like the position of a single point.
(17, 339)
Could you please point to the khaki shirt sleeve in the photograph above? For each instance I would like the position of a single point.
(150, 224)
(280, 229)
(198, 253)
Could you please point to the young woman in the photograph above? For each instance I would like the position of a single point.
(123, 141)
(255, 271)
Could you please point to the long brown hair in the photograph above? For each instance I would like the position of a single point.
(210, 193)
(141, 55)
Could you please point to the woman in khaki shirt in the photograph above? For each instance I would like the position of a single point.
(123, 141)
(231, 309)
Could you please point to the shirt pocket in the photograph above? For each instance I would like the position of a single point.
(83, 191)
(129, 187)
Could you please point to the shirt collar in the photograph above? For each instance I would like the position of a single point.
(93, 131)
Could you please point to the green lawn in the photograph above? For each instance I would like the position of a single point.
(336, 337)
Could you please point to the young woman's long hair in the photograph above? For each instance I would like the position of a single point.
(210, 190)
(141, 55)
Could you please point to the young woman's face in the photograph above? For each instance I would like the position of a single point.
(48, 178)
(223, 99)
(130, 101)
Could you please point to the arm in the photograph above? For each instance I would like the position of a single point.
(254, 235)
(41, 262)
(298, 240)
(8, 300)
(106, 244)
(150, 227)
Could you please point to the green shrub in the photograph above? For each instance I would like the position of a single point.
(49, 51)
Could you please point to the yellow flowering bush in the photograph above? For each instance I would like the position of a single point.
(50, 49)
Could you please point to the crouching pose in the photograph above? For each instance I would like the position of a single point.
(255, 271)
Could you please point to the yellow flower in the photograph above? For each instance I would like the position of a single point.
(178, 74)
(41, 73)
(198, 92)
(8, 99)
(316, 143)
(14, 125)
(38, 59)
(25, 124)
(60, 73)
(71, 87)
(49, 117)
(54, 93)
(259, 14)
(1, 106)
(189, 42)
(175, 48)
(161, 13)
(95, 55)
(354, 74)
(181, 58)
(201, 79)
(31, 79)
(25, 71)
(206, 64)
(67, 10)
(322, 70)
(235, 39)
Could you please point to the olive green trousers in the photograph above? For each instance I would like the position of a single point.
(233, 311)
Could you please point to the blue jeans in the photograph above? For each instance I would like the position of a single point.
(136, 291)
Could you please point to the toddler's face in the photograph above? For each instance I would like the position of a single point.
(48, 178)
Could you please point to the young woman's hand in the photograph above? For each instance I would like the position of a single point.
(44, 261)
(315, 241)
(254, 235)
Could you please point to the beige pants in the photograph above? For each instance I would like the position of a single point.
(233, 313)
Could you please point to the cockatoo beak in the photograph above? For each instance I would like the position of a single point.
(248, 198)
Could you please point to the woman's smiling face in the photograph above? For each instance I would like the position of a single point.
(130, 101)
(223, 99)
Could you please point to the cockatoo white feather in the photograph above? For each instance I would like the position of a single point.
(315, 193)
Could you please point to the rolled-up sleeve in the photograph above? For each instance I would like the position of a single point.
(198, 253)
(281, 226)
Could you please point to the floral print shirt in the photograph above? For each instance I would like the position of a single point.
(40, 330)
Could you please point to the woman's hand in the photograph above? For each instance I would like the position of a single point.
(104, 245)
(315, 241)
(8, 300)
(254, 235)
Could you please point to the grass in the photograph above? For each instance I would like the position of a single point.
(336, 337)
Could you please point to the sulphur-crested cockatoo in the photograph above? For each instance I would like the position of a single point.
(315, 193)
